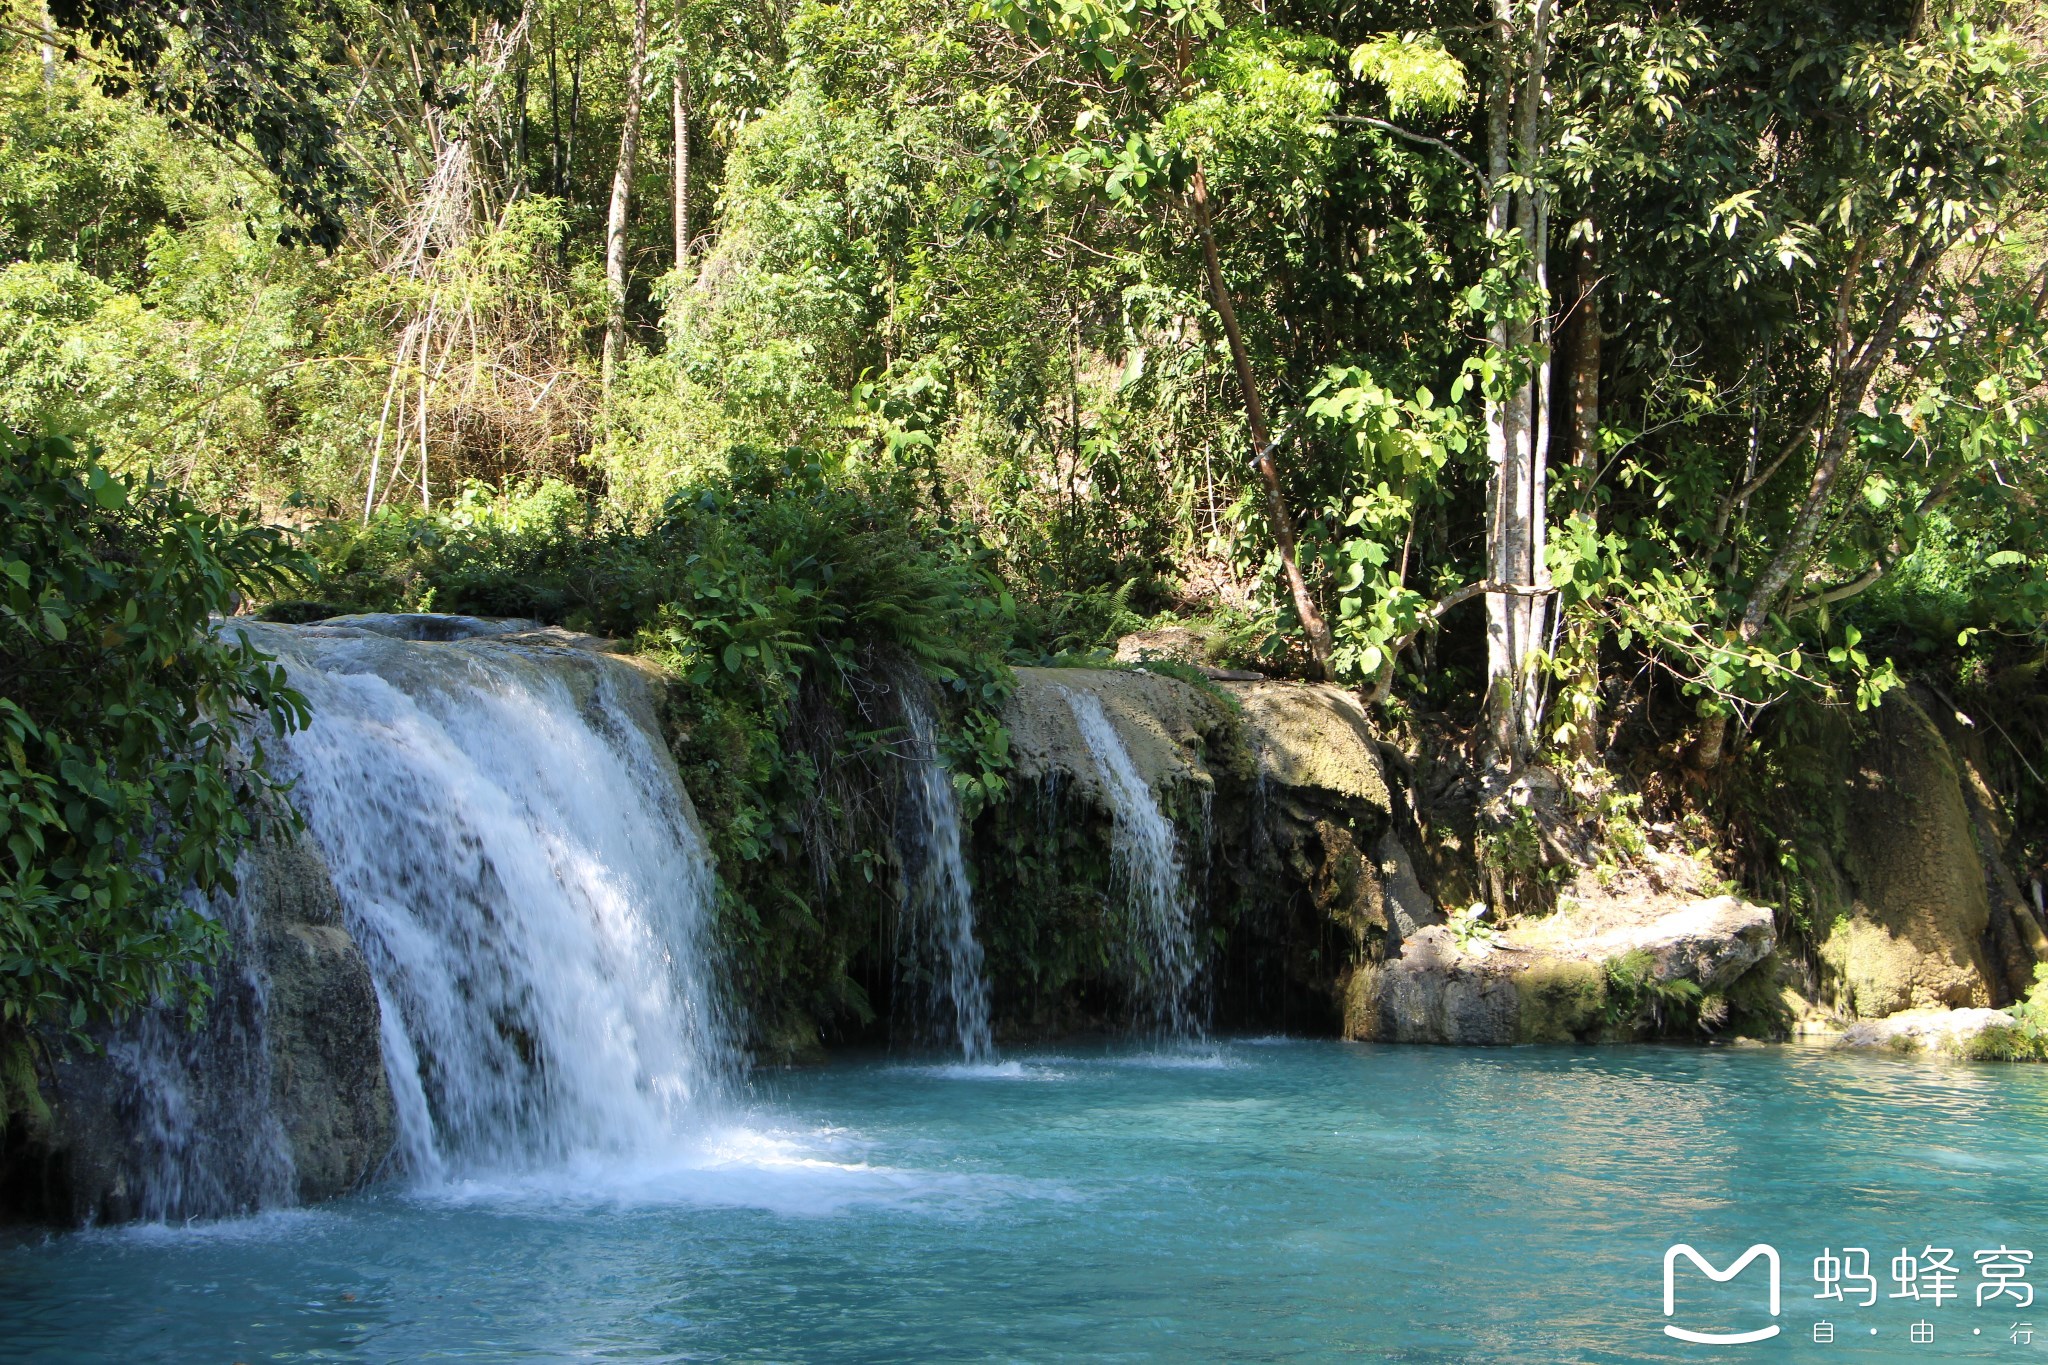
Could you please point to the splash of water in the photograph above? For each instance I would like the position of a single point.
(522, 869)
(1146, 863)
(938, 902)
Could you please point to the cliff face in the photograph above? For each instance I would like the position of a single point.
(1310, 891)
(1285, 821)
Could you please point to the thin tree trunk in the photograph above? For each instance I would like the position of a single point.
(554, 116)
(1518, 423)
(1583, 381)
(1853, 375)
(1502, 434)
(1312, 622)
(519, 113)
(49, 50)
(622, 195)
(679, 95)
(575, 124)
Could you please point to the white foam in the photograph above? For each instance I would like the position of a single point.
(822, 1173)
(991, 1071)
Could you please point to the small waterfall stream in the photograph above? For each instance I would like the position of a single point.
(1145, 860)
(518, 860)
(938, 909)
(206, 1140)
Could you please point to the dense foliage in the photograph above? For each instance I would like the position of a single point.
(1608, 380)
(128, 778)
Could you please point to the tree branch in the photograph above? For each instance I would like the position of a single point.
(1485, 183)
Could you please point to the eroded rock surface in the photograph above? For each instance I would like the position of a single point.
(1914, 936)
(1544, 979)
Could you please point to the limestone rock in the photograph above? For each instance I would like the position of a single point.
(1435, 992)
(1914, 936)
(280, 1097)
(1162, 721)
(1710, 942)
(1544, 979)
(328, 1086)
(1175, 643)
(1956, 1033)
(1313, 736)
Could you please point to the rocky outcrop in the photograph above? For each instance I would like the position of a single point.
(1286, 818)
(328, 1087)
(1915, 931)
(278, 1097)
(1177, 735)
(1965, 1033)
(1548, 979)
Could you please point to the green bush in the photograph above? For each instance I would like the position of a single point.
(129, 775)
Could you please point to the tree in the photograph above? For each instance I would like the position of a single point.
(622, 193)
(1146, 62)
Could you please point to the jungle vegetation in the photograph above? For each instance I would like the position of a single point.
(1577, 375)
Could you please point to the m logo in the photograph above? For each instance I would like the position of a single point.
(1769, 1253)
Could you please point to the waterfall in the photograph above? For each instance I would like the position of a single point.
(1146, 865)
(938, 903)
(521, 867)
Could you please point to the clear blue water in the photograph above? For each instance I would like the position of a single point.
(1252, 1200)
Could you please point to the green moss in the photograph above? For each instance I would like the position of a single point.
(1561, 1002)
(21, 1094)
(1757, 1007)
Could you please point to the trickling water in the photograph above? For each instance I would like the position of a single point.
(205, 1139)
(938, 903)
(1145, 860)
(518, 861)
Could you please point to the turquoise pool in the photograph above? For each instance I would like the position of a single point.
(1244, 1200)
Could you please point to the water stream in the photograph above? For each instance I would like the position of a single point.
(938, 908)
(1161, 960)
(521, 867)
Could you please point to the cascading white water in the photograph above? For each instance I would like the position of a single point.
(938, 902)
(520, 864)
(1145, 860)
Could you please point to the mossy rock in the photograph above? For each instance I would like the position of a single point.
(1562, 1001)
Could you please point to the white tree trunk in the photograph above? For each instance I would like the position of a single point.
(622, 195)
(679, 100)
(1518, 423)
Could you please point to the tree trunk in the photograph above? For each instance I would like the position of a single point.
(1583, 380)
(554, 116)
(1312, 622)
(519, 114)
(622, 195)
(1855, 366)
(575, 126)
(49, 50)
(679, 95)
(1518, 422)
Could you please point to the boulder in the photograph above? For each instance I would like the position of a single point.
(1165, 724)
(1313, 737)
(328, 1086)
(279, 1097)
(1709, 942)
(1544, 979)
(1964, 1033)
(1435, 992)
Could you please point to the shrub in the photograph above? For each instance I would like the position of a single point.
(129, 776)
